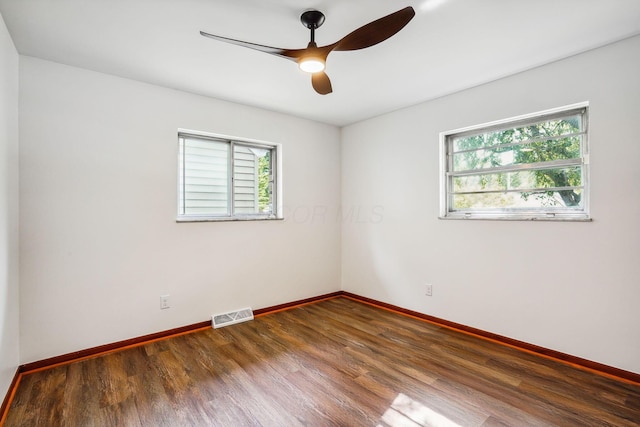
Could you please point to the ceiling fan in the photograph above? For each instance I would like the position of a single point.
(312, 59)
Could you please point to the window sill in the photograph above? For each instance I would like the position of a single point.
(516, 218)
(228, 219)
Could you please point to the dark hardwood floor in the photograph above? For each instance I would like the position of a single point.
(334, 363)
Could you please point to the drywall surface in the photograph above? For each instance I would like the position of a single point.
(100, 242)
(572, 287)
(9, 325)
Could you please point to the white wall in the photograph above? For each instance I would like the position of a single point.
(9, 326)
(571, 287)
(99, 241)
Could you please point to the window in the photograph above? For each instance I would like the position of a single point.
(223, 179)
(531, 167)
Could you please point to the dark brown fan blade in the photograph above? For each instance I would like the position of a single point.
(376, 31)
(321, 83)
(283, 53)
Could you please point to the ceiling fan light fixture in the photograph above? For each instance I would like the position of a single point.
(311, 65)
(312, 59)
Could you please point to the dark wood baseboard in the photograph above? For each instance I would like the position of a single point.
(108, 348)
(579, 362)
(9, 396)
(289, 305)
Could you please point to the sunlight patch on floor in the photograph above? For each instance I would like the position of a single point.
(406, 412)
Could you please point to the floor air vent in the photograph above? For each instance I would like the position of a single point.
(226, 319)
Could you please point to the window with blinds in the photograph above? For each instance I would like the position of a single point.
(222, 179)
(533, 167)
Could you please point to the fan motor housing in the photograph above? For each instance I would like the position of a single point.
(312, 19)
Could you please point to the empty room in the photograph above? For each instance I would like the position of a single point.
(319, 213)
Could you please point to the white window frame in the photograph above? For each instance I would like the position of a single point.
(275, 179)
(551, 214)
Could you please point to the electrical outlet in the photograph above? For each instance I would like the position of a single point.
(164, 302)
(428, 290)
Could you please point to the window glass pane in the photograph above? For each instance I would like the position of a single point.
(519, 180)
(265, 182)
(547, 128)
(251, 180)
(541, 130)
(205, 185)
(547, 200)
(532, 152)
(245, 183)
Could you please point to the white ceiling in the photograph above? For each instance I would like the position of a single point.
(450, 45)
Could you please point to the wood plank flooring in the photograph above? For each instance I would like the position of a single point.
(334, 363)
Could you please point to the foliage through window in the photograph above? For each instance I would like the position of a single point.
(534, 167)
(225, 179)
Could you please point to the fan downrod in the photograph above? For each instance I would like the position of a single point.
(312, 19)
